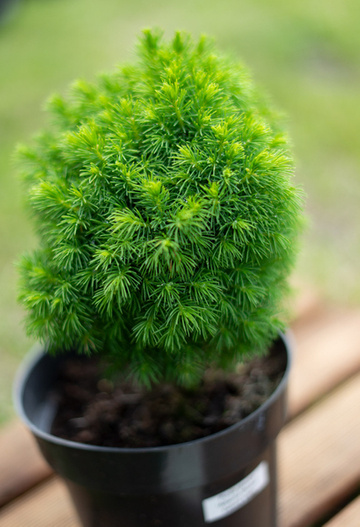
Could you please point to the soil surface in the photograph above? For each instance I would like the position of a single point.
(94, 410)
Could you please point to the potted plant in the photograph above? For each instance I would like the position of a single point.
(168, 224)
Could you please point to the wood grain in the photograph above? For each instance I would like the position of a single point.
(21, 466)
(319, 457)
(348, 517)
(48, 505)
(319, 451)
(327, 352)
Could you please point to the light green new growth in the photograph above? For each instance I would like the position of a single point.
(166, 214)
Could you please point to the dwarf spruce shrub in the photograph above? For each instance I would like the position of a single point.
(166, 214)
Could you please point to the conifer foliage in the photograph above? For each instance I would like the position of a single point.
(166, 214)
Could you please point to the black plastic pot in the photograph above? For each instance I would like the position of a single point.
(227, 479)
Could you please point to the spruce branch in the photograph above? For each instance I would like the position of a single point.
(167, 217)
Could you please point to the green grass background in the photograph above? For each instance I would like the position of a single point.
(305, 53)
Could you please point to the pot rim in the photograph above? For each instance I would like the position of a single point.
(37, 352)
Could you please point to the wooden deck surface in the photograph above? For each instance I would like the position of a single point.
(319, 448)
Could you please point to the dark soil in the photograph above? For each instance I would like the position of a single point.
(93, 410)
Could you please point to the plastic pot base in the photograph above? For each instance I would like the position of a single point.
(227, 479)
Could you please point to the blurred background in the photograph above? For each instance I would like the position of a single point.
(307, 56)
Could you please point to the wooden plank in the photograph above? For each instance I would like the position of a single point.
(305, 304)
(318, 366)
(46, 505)
(21, 466)
(327, 353)
(329, 339)
(348, 517)
(319, 457)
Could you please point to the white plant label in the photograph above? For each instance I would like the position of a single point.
(232, 499)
